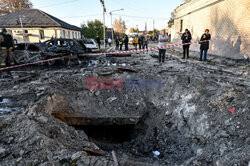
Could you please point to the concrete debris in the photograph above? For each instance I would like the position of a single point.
(186, 122)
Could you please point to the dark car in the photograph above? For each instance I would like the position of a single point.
(29, 52)
(32, 52)
(71, 46)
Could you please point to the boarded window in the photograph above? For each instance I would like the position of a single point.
(41, 33)
(181, 25)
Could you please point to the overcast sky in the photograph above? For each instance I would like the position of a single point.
(136, 12)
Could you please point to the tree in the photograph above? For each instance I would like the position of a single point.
(93, 29)
(10, 6)
(171, 20)
(132, 30)
(119, 26)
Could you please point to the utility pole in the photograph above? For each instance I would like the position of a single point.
(112, 23)
(104, 33)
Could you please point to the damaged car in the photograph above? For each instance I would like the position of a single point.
(90, 45)
(33, 52)
(69, 46)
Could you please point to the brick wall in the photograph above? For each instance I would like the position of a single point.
(227, 20)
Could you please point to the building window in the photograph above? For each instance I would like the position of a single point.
(181, 26)
(69, 34)
(26, 31)
(41, 33)
(64, 34)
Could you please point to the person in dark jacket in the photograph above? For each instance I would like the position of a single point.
(204, 44)
(98, 40)
(7, 45)
(186, 38)
(126, 42)
(117, 43)
(106, 42)
(140, 42)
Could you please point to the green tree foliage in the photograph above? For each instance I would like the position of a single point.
(92, 29)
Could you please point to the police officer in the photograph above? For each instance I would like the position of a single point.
(121, 43)
(6, 44)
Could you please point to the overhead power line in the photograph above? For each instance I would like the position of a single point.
(163, 18)
(82, 16)
(57, 4)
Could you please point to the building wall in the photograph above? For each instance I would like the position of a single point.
(227, 20)
(34, 35)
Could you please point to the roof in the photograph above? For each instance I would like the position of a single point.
(33, 18)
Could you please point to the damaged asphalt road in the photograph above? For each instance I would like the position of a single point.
(187, 120)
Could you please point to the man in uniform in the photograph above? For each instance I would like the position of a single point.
(6, 44)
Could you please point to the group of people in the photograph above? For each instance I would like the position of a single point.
(142, 41)
(186, 38)
(120, 41)
(6, 48)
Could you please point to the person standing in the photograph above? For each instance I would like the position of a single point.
(126, 42)
(106, 42)
(136, 42)
(163, 39)
(204, 44)
(186, 38)
(121, 43)
(140, 40)
(109, 41)
(145, 42)
(6, 44)
(98, 40)
(117, 43)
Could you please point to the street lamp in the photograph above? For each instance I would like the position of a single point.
(112, 22)
(104, 33)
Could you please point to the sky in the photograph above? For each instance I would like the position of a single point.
(136, 12)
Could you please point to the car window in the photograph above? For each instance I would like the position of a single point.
(62, 43)
(50, 43)
(20, 47)
(90, 42)
(33, 47)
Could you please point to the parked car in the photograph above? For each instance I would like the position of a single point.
(64, 46)
(32, 52)
(29, 52)
(90, 44)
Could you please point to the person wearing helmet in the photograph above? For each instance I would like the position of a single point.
(6, 44)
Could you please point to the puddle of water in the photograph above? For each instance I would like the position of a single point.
(8, 110)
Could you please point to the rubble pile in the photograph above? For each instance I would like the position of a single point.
(199, 116)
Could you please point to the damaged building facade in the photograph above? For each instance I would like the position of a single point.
(227, 20)
(33, 25)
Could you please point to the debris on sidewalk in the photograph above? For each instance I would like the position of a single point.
(230, 99)
(232, 110)
(92, 152)
(126, 69)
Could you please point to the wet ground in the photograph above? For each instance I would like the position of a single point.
(198, 116)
